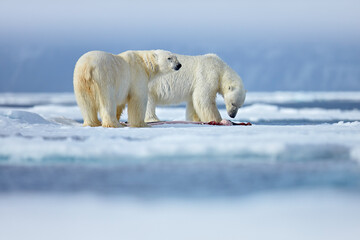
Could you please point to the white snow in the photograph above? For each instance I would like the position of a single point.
(286, 97)
(26, 133)
(258, 112)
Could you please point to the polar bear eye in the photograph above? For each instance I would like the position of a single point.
(169, 58)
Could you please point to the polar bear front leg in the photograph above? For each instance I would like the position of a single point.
(136, 110)
(205, 107)
(190, 112)
(150, 115)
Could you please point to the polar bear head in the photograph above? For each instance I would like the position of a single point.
(166, 61)
(234, 98)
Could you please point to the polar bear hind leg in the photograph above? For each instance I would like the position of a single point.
(108, 107)
(90, 116)
(85, 97)
(89, 111)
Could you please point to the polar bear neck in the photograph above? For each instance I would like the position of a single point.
(230, 79)
(150, 64)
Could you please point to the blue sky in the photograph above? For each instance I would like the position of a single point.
(41, 40)
(186, 18)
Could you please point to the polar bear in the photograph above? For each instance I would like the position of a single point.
(197, 84)
(105, 83)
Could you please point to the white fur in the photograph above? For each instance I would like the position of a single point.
(197, 83)
(105, 83)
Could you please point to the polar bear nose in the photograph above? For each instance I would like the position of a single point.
(178, 66)
(232, 112)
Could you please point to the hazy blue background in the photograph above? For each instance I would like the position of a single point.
(273, 45)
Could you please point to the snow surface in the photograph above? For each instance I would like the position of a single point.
(293, 174)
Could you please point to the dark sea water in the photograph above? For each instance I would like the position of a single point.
(182, 179)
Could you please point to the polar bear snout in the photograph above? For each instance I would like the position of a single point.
(232, 112)
(177, 67)
(175, 64)
(233, 103)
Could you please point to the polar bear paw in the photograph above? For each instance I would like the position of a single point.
(112, 124)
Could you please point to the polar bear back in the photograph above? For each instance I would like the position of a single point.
(178, 86)
(107, 64)
(105, 69)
